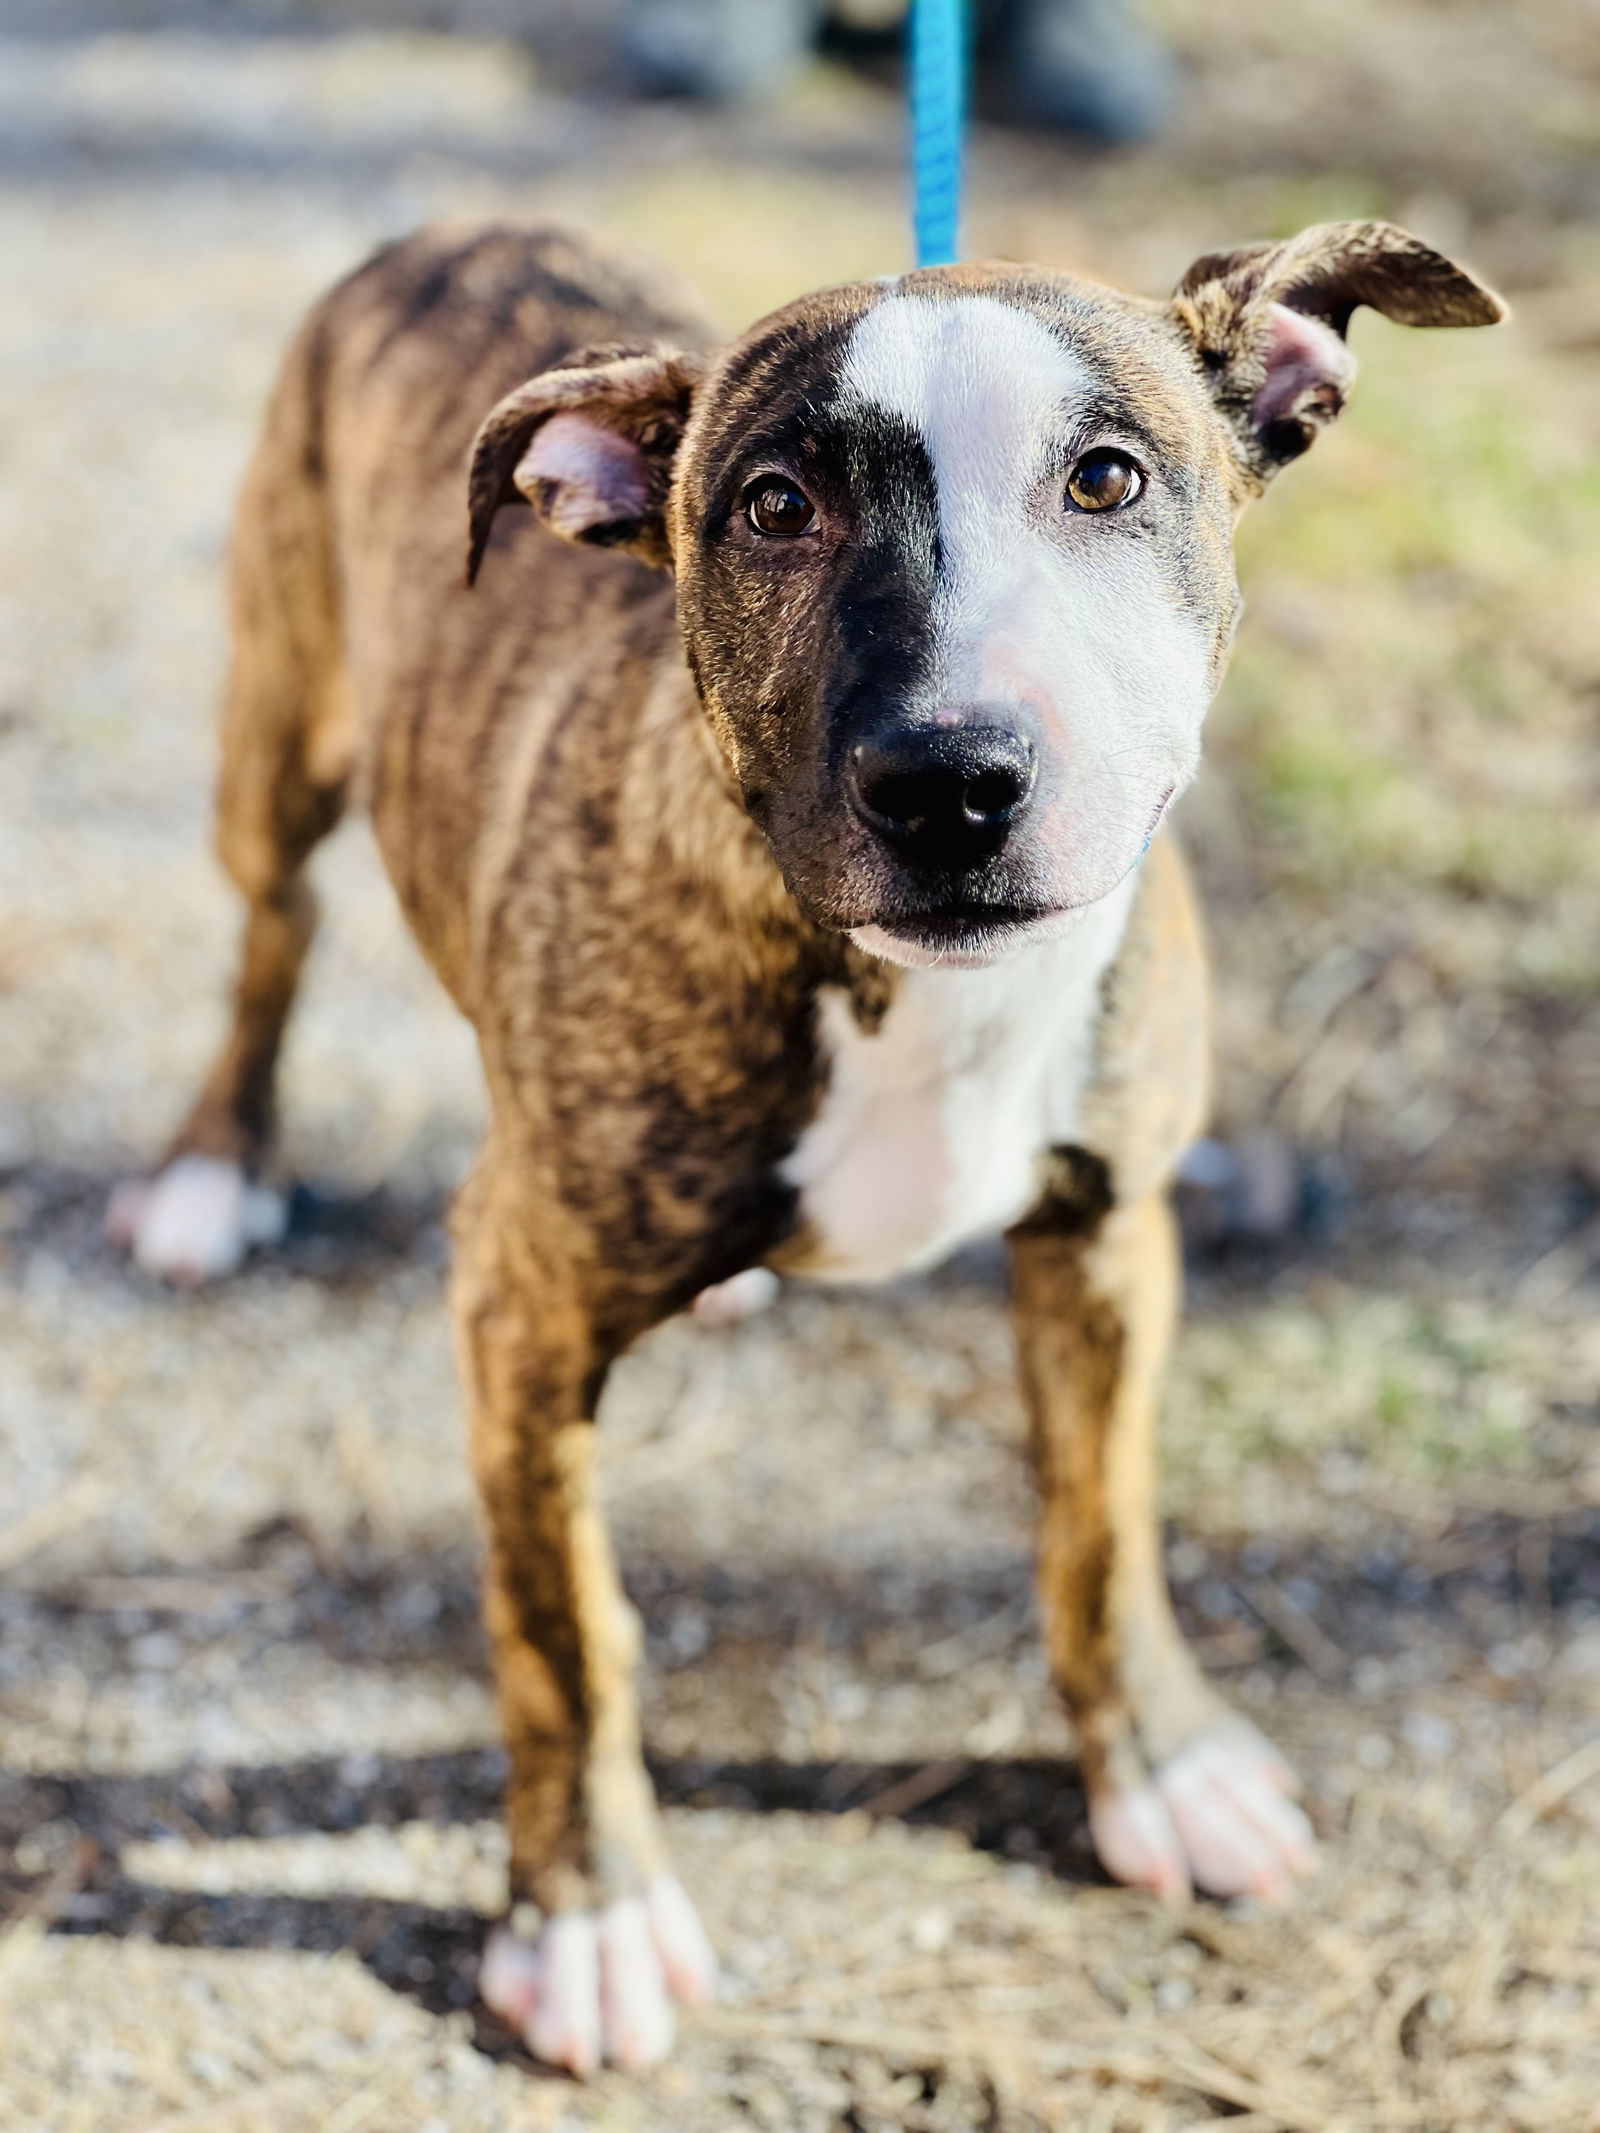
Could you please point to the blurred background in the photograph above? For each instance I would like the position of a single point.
(249, 1775)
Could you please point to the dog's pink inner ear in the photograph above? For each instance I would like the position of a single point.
(579, 474)
(1308, 368)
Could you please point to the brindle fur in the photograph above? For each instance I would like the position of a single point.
(572, 852)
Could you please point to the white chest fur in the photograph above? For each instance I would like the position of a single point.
(932, 1128)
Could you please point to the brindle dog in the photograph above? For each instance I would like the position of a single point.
(779, 828)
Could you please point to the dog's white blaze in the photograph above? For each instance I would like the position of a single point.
(932, 1127)
(988, 387)
(1093, 640)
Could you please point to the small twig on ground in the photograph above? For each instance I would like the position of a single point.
(82, 1500)
(931, 1974)
(1547, 1793)
(359, 2109)
(1306, 1638)
(1246, 2122)
(1561, 1268)
(1361, 1971)
(950, 1655)
(40, 1909)
(917, 1789)
(179, 1593)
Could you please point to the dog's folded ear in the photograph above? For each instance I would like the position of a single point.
(1268, 323)
(590, 447)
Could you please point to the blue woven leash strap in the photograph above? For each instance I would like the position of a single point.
(938, 111)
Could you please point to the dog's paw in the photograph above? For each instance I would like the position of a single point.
(600, 1985)
(725, 1303)
(196, 1221)
(1218, 1816)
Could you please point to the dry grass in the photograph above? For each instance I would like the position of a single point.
(246, 1725)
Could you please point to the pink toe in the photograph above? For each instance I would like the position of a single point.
(126, 1210)
(509, 1978)
(566, 2021)
(1282, 1825)
(1223, 1860)
(1248, 1775)
(1137, 1844)
(1250, 1750)
(741, 1296)
(636, 2019)
(686, 1954)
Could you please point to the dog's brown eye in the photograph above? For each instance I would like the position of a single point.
(779, 509)
(1103, 480)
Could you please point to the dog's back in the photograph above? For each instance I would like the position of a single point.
(359, 654)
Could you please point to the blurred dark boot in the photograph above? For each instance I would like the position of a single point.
(1084, 66)
(721, 51)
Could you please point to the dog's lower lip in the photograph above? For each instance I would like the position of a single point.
(961, 921)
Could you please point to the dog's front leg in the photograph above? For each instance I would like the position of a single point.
(1182, 1791)
(600, 1937)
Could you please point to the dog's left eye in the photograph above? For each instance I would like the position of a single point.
(1103, 481)
(780, 510)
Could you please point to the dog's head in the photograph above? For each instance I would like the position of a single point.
(954, 552)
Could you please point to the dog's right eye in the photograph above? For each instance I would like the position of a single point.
(1103, 481)
(780, 510)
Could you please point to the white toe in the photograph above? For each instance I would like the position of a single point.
(565, 2029)
(742, 1296)
(686, 1954)
(1137, 1844)
(508, 1977)
(1241, 1833)
(636, 2019)
(195, 1222)
(125, 1210)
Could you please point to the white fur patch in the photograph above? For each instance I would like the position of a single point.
(988, 388)
(932, 1127)
(741, 1296)
(197, 1221)
(1086, 632)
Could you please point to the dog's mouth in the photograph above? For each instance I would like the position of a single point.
(960, 936)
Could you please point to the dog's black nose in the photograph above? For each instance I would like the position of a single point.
(946, 796)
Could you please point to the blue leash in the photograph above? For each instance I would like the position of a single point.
(938, 104)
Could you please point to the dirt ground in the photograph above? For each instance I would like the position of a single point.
(247, 1765)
